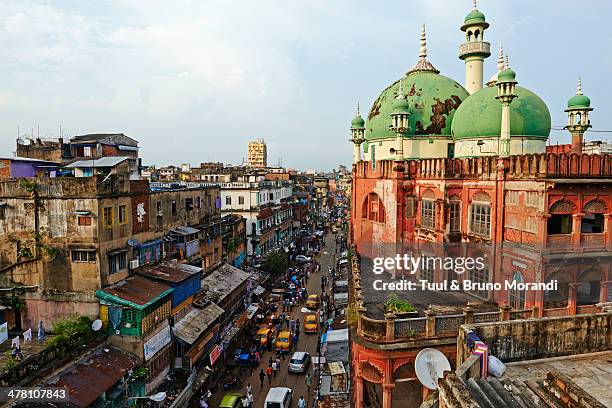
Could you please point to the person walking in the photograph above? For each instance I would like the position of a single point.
(301, 402)
(308, 382)
(249, 388)
(245, 402)
(262, 376)
(269, 374)
(250, 399)
(274, 368)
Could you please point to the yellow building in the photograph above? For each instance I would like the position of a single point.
(258, 153)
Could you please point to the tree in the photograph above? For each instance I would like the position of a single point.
(276, 263)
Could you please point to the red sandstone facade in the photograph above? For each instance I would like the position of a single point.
(538, 217)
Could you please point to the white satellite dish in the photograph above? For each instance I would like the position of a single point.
(96, 325)
(430, 365)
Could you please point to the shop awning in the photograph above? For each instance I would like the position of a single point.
(190, 327)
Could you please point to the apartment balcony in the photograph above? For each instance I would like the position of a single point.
(475, 48)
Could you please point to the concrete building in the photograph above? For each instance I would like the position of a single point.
(258, 154)
(474, 179)
(266, 207)
(65, 237)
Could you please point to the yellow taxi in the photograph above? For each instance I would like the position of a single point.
(264, 336)
(310, 323)
(283, 341)
(312, 302)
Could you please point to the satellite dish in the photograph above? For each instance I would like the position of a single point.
(430, 365)
(96, 325)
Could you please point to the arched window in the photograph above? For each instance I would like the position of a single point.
(454, 214)
(593, 219)
(589, 284)
(428, 209)
(557, 298)
(516, 297)
(480, 214)
(560, 220)
(373, 208)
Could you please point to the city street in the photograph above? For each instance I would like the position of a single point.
(307, 342)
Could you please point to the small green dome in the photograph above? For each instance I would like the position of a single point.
(479, 116)
(579, 101)
(357, 122)
(431, 100)
(401, 105)
(475, 17)
(506, 75)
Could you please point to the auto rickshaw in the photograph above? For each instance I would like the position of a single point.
(283, 341)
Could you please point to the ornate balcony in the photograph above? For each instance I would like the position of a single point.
(477, 47)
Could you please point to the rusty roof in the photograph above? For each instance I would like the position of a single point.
(94, 374)
(136, 291)
(190, 327)
(171, 273)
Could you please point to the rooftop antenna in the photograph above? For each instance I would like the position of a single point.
(430, 365)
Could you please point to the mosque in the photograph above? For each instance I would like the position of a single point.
(439, 164)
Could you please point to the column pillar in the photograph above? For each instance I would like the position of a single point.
(572, 301)
(504, 140)
(607, 229)
(505, 312)
(576, 220)
(358, 390)
(387, 401)
(430, 323)
(468, 315)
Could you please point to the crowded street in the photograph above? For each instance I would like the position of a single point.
(307, 342)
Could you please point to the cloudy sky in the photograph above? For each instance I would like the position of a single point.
(194, 81)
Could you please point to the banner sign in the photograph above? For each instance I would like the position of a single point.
(157, 342)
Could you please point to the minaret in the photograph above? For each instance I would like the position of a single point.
(475, 49)
(399, 121)
(578, 108)
(357, 135)
(500, 67)
(506, 92)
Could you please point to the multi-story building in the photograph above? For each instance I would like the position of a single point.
(258, 154)
(473, 180)
(233, 231)
(265, 206)
(65, 237)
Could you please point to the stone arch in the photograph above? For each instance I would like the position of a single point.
(404, 370)
(589, 286)
(559, 297)
(370, 372)
(481, 196)
(429, 194)
(562, 206)
(595, 206)
(454, 197)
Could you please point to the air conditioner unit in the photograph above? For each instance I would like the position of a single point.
(134, 264)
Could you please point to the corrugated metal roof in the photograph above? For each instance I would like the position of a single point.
(334, 336)
(190, 327)
(172, 273)
(224, 280)
(185, 230)
(94, 374)
(101, 162)
(137, 292)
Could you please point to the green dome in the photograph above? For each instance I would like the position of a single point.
(431, 98)
(475, 17)
(480, 115)
(579, 101)
(357, 122)
(401, 105)
(506, 75)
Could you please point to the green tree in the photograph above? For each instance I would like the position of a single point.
(276, 263)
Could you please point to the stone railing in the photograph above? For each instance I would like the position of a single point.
(476, 47)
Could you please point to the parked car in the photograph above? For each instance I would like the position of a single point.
(310, 323)
(231, 400)
(312, 302)
(299, 362)
(283, 341)
(302, 258)
(278, 397)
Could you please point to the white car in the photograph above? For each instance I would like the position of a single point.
(299, 362)
(278, 397)
(302, 258)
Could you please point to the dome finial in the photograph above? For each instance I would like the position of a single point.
(475, 5)
(400, 92)
(500, 59)
(423, 49)
(358, 113)
(579, 89)
(507, 66)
